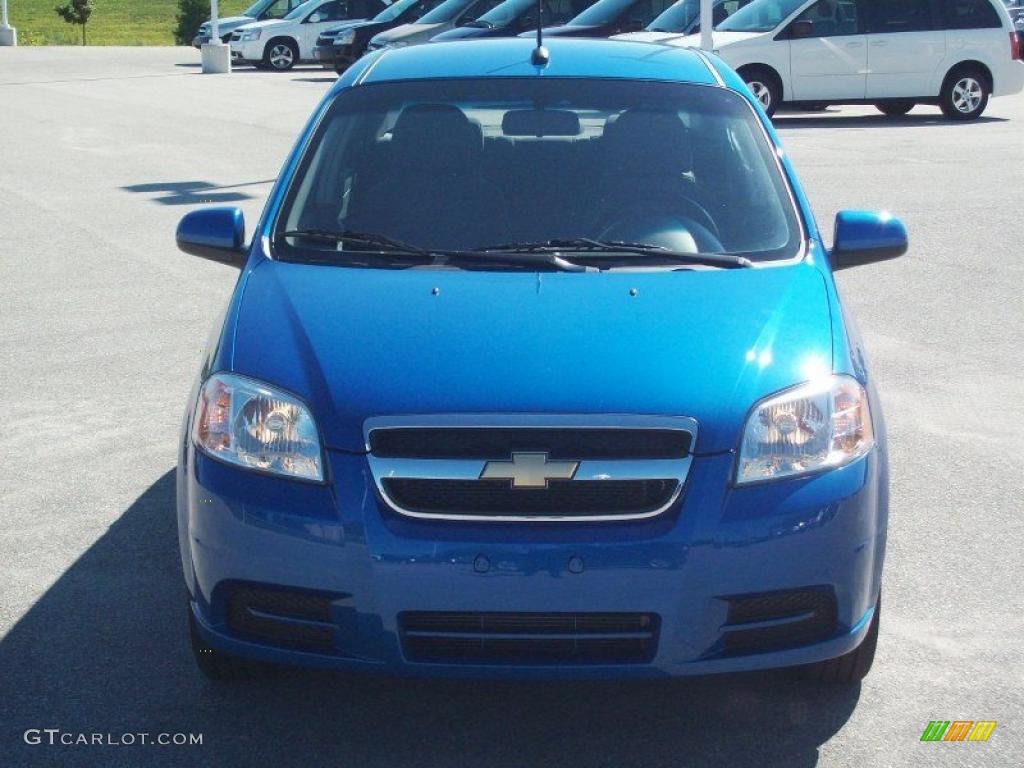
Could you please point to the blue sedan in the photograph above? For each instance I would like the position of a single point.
(536, 366)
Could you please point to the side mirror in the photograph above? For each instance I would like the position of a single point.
(217, 234)
(864, 237)
(315, 18)
(801, 29)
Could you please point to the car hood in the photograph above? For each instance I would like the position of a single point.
(721, 39)
(407, 31)
(223, 25)
(468, 33)
(571, 30)
(646, 37)
(353, 24)
(268, 24)
(356, 343)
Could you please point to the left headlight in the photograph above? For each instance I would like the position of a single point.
(820, 425)
(256, 426)
(345, 38)
(249, 35)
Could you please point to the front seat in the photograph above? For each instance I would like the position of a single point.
(432, 194)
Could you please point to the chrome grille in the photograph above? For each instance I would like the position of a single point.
(530, 468)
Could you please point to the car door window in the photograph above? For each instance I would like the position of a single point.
(478, 9)
(894, 16)
(970, 14)
(830, 18)
(335, 10)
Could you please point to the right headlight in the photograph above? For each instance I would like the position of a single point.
(254, 425)
(820, 425)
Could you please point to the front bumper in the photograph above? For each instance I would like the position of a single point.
(250, 52)
(324, 54)
(826, 531)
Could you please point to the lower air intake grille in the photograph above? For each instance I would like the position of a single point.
(774, 621)
(487, 498)
(284, 617)
(529, 638)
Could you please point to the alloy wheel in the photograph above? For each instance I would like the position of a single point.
(281, 56)
(967, 95)
(761, 92)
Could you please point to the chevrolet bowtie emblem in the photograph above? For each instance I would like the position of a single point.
(529, 470)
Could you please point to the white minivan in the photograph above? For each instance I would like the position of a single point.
(890, 53)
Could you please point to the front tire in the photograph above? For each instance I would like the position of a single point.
(765, 86)
(281, 55)
(895, 108)
(965, 94)
(851, 667)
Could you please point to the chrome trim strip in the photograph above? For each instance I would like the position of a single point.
(594, 470)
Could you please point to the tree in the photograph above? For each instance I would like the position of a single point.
(191, 13)
(76, 12)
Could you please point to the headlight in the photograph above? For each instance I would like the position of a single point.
(345, 38)
(256, 426)
(249, 35)
(821, 425)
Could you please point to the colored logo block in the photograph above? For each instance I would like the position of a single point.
(958, 730)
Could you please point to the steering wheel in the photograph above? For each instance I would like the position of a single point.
(666, 225)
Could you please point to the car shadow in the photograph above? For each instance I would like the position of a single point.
(194, 192)
(835, 120)
(105, 650)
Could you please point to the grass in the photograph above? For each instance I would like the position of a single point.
(113, 22)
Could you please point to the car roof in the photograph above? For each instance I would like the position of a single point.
(510, 57)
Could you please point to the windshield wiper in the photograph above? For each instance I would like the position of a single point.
(363, 238)
(440, 257)
(589, 245)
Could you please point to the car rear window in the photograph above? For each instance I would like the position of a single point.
(470, 163)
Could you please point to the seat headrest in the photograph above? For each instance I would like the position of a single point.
(650, 140)
(435, 136)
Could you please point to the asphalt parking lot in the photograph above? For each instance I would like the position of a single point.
(101, 325)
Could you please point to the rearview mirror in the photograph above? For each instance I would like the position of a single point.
(540, 122)
(864, 237)
(217, 234)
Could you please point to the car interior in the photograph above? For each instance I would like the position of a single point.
(432, 175)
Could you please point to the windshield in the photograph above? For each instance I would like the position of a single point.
(446, 11)
(604, 12)
(466, 164)
(676, 18)
(395, 10)
(506, 13)
(270, 9)
(301, 10)
(760, 16)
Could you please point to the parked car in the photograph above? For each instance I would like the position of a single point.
(683, 18)
(514, 16)
(609, 418)
(954, 53)
(258, 11)
(282, 43)
(609, 17)
(338, 47)
(448, 15)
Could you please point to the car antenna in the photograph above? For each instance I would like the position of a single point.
(540, 56)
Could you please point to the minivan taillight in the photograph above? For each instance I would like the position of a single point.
(1016, 47)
